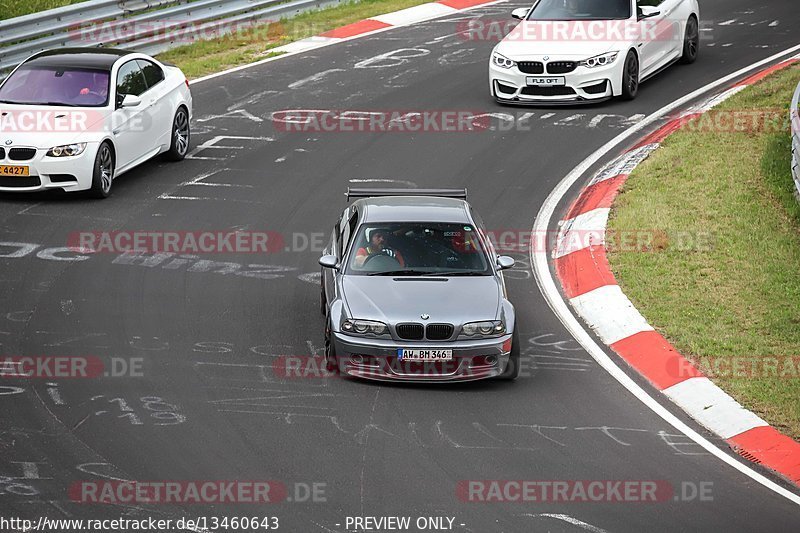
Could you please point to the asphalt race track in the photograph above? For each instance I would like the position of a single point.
(208, 404)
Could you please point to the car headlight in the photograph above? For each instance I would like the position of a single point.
(67, 150)
(366, 328)
(487, 328)
(599, 61)
(502, 61)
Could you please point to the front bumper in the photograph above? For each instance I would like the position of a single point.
(377, 359)
(581, 85)
(67, 173)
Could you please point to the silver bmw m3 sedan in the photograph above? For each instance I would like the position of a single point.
(412, 290)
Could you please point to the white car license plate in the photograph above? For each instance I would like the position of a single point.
(547, 81)
(424, 355)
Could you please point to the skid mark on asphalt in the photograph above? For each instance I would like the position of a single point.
(313, 78)
(253, 99)
(212, 144)
(235, 113)
(677, 443)
(149, 260)
(406, 183)
(570, 520)
(366, 447)
(391, 59)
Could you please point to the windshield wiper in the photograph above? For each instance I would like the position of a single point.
(65, 104)
(399, 273)
(456, 273)
(42, 103)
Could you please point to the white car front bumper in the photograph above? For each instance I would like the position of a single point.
(67, 173)
(581, 84)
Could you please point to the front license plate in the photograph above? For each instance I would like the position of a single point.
(547, 81)
(424, 355)
(13, 170)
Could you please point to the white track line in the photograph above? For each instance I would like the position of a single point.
(547, 285)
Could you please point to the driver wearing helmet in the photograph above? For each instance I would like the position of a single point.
(377, 246)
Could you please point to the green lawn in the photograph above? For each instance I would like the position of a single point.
(739, 296)
(9, 9)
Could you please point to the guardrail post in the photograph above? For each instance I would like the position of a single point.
(794, 117)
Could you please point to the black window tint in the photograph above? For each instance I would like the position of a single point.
(130, 80)
(152, 72)
(347, 231)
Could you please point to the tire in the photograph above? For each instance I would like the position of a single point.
(103, 173)
(331, 362)
(691, 42)
(513, 369)
(630, 76)
(181, 136)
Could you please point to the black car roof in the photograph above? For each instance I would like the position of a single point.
(414, 209)
(94, 58)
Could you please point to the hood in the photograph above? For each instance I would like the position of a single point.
(531, 40)
(48, 126)
(392, 300)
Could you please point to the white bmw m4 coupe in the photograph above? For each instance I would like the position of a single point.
(570, 51)
(77, 118)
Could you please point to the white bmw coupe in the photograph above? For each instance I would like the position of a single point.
(567, 51)
(77, 118)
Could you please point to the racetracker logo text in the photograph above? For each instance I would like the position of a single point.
(116, 492)
(392, 121)
(177, 242)
(581, 491)
(565, 31)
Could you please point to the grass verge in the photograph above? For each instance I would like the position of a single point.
(735, 299)
(10, 9)
(206, 57)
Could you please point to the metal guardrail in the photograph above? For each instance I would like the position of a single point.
(794, 117)
(149, 26)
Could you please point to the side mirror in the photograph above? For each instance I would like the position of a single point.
(131, 100)
(519, 13)
(329, 261)
(646, 12)
(505, 262)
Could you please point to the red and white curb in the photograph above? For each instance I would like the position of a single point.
(589, 285)
(404, 17)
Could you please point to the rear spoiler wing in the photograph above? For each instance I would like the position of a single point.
(460, 194)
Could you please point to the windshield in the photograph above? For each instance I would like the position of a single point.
(415, 249)
(42, 85)
(581, 10)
